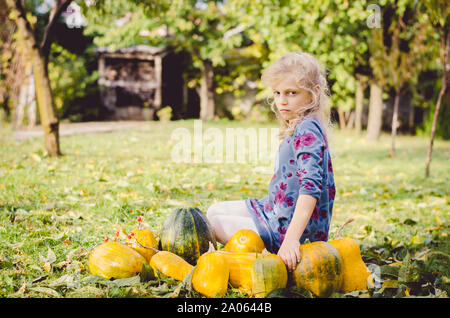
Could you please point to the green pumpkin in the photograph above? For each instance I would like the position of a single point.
(320, 269)
(187, 233)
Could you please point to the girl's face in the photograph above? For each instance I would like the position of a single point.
(289, 97)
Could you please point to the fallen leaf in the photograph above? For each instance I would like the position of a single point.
(47, 267)
(46, 291)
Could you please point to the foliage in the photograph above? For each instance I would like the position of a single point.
(53, 212)
(70, 80)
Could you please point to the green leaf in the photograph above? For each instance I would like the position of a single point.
(125, 282)
(409, 222)
(147, 273)
(408, 273)
(46, 291)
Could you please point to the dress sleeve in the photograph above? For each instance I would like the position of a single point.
(308, 145)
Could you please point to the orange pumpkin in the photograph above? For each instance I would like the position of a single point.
(245, 240)
(115, 260)
(256, 274)
(170, 264)
(356, 275)
(142, 239)
(210, 277)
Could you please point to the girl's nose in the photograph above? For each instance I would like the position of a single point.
(283, 99)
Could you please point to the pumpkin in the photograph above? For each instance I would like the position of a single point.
(320, 269)
(245, 240)
(115, 260)
(355, 272)
(211, 274)
(240, 265)
(256, 274)
(170, 264)
(187, 233)
(142, 239)
(268, 273)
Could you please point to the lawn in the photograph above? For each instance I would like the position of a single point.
(53, 211)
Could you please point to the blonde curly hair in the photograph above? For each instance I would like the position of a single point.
(308, 74)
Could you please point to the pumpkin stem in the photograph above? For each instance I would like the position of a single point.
(338, 233)
(143, 246)
(211, 247)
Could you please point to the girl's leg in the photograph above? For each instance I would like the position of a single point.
(227, 217)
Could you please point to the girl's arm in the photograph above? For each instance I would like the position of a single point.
(289, 250)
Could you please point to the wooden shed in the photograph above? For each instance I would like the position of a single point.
(134, 81)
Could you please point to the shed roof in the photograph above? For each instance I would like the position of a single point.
(138, 49)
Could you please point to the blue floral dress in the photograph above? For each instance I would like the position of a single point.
(302, 166)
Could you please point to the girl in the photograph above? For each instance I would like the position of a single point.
(301, 193)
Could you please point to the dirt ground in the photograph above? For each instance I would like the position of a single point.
(67, 129)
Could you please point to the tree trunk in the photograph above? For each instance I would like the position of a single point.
(207, 91)
(49, 120)
(341, 118)
(411, 119)
(31, 101)
(375, 111)
(444, 57)
(359, 106)
(395, 121)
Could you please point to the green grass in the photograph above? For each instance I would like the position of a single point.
(53, 211)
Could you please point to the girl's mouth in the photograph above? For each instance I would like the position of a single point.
(284, 110)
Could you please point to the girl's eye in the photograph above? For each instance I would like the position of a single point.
(292, 93)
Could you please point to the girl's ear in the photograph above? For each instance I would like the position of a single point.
(317, 88)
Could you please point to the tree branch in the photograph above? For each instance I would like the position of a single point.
(58, 9)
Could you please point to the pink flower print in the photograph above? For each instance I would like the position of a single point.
(289, 174)
(306, 156)
(289, 201)
(280, 197)
(297, 143)
(304, 140)
(307, 139)
(332, 192)
(330, 166)
(292, 162)
(283, 186)
(316, 213)
(309, 186)
(282, 231)
(300, 174)
(321, 236)
(274, 176)
(268, 207)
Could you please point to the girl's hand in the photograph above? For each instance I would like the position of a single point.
(290, 253)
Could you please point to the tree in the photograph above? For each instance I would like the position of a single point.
(39, 50)
(402, 58)
(204, 29)
(438, 12)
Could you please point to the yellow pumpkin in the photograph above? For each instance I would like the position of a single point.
(245, 240)
(115, 260)
(355, 272)
(240, 265)
(143, 237)
(320, 269)
(211, 274)
(268, 273)
(256, 274)
(170, 265)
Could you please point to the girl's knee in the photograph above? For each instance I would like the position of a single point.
(213, 210)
